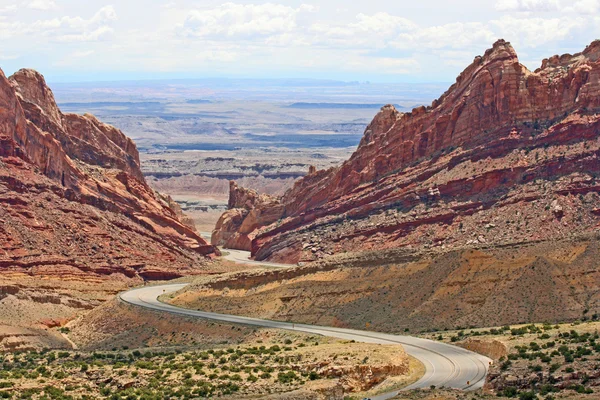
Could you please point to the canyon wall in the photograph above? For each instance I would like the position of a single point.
(78, 222)
(506, 155)
(247, 212)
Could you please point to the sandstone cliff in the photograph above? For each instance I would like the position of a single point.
(247, 212)
(76, 215)
(506, 155)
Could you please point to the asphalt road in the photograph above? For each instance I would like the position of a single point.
(243, 257)
(445, 365)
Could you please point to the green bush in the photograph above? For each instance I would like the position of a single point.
(287, 377)
(527, 396)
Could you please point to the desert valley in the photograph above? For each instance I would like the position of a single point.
(303, 238)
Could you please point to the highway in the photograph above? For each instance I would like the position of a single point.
(445, 365)
(243, 257)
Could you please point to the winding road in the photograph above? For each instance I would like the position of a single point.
(445, 365)
(243, 257)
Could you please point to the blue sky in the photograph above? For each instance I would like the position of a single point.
(375, 40)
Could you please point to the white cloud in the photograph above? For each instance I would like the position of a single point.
(64, 29)
(41, 5)
(242, 20)
(527, 5)
(367, 31)
(76, 29)
(287, 36)
(383, 23)
(584, 7)
(455, 35)
(8, 9)
(533, 32)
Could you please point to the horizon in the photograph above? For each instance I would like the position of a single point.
(371, 41)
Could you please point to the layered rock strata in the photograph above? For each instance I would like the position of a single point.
(505, 156)
(247, 212)
(74, 204)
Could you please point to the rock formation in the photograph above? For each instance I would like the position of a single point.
(74, 204)
(505, 156)
(247, 212)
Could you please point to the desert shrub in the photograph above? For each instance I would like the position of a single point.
(527, 396)
(287, 377)
(509, 391)
(145, 365)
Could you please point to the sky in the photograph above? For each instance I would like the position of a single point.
(358, 40)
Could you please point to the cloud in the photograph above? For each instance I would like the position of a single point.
(383, 23)
(527, 5)
(456, 35)
(584, 7)
(43, 5)
(76, 29)
(8, 9)
(533, 32)
(252, 37)
(367, 31)
(242, 20)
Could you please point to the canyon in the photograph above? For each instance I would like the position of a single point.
(505, 156)
(482, 209)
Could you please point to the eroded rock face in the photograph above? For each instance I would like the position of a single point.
(248, 211)
(483, 164)
(73, 202)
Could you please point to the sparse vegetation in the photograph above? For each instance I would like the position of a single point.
(280, 363)
(543, 361)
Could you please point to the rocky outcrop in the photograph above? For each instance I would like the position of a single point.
(506, 155)
(248, 211)
(74, 204)
(493, 349)
(357, 378)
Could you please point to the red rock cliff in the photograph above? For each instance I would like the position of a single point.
(73, 200)
(248, 211)
(487, 162)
